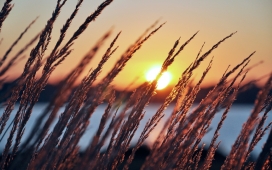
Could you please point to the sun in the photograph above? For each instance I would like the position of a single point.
(163, 81)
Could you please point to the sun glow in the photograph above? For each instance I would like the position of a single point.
(163, 81)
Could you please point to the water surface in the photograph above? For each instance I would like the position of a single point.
(228, 133)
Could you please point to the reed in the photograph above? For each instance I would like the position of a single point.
(178, 145)
(5, 11)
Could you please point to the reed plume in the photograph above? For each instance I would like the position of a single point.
(179, 144)
(5, 11)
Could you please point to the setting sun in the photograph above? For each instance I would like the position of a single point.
(164, 79)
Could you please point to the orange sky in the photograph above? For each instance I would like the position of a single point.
(214, 20)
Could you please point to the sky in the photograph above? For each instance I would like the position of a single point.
(213, 19)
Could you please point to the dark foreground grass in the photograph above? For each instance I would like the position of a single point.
(178, 146)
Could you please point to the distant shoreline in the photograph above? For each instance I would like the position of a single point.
(247, 96)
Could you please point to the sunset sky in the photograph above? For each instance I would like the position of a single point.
(214, 19)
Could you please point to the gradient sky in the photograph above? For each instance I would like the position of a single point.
(214, 20)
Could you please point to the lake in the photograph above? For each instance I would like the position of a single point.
(228, 133)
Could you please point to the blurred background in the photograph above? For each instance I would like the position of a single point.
(214, 20)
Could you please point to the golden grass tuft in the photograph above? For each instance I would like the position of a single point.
(176, 147)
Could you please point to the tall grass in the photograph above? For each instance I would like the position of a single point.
(176, 147)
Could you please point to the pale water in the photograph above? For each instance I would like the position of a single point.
(230, 130)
